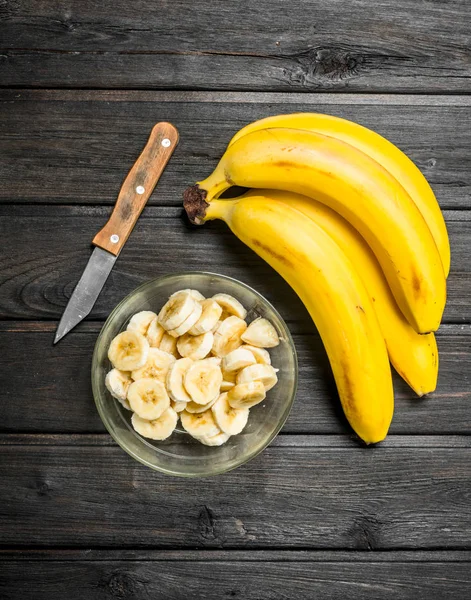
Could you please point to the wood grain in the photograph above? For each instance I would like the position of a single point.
(44, 249)
(137, 187)
(238, 45)
(75, 147)
(294, 497)
(250, 576)
(60, 406)
(222, 555)
(315, 515)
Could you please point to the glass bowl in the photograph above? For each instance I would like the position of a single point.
(180, 454)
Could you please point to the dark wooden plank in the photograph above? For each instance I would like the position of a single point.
(39, 397)
(44, 249)
(76, 147)
(279, 576)
(288, 497)
(241, 556)
(400, 45)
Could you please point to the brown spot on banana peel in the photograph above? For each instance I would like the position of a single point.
(416, 283)
(194, 202)
(271, 252)
(288, 164)
(227, 177)
(347, 397)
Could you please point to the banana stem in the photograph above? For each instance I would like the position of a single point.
(217, 183)
(194, 202)
(199, 210)
(220, 209)
(196, 198)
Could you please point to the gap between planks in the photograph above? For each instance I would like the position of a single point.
(49, 326)
(321, 441)
(36, 209)
(252, 97)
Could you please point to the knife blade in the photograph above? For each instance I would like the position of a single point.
(109, 241)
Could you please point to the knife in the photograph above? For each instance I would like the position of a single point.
(108, 242)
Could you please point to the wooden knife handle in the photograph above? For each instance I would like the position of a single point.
(137, 188)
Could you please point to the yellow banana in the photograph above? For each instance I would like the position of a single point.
(358, 188)
(414, 356)
(378, 148)
(327, 283)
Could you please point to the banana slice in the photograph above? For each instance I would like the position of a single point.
(194, 408)
(178, 406)
(155, 333)
(157, 366)
(230, 377)
(237, 360)
(246, 395)
(202, 381)
(228, 381)
(148, 398)
(227, 336)
(128, 351)
(117, 383)
(187, 323)
(156, 429)
(195, 347)
(261, 333)
(214, 440)
(198, 296)
(199, 425)
(230, 305)
(141, 321)
(178, 308)
(221, 319)
(215, 360)
(169, 344)
(175, 377)
(211, 312)
(264, 373)
(226, 385)
(230, 420)
(261, 356)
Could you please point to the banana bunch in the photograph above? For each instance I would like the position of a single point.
(197, 360)
(353, 226)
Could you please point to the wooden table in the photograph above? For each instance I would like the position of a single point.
(316, 515)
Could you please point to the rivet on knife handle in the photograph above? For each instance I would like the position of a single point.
(137, 188)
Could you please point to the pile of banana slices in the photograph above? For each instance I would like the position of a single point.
(199, 360)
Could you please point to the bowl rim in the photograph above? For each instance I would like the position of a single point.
(246, 458)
